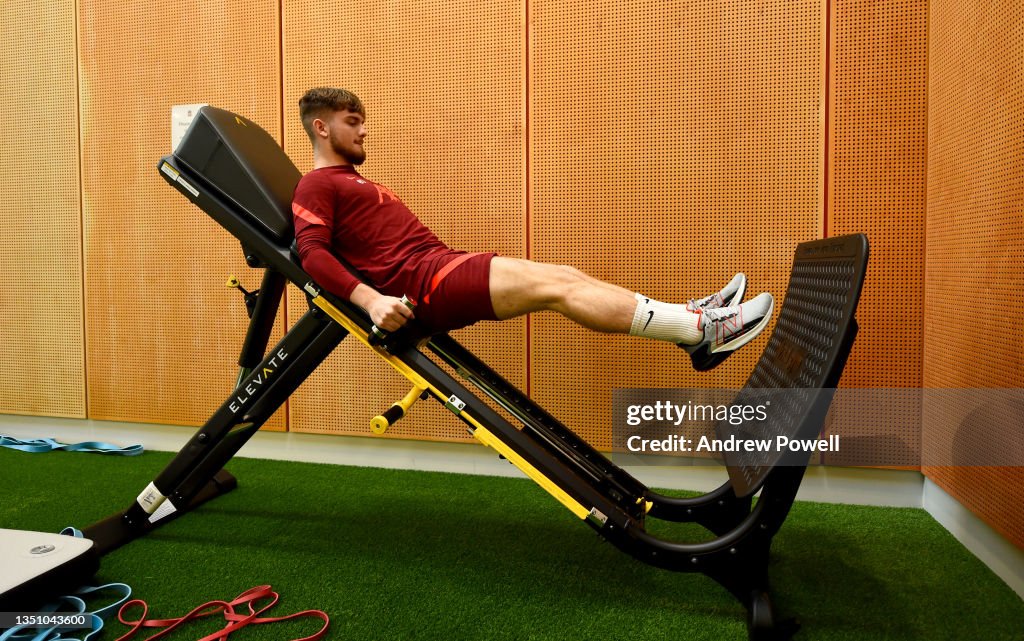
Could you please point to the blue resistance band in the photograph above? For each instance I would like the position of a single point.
(49, 445)
(71, 604)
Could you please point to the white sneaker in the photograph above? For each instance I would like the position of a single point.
(727, 329)
(730, 295)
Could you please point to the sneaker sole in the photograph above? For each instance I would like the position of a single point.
(703, 361)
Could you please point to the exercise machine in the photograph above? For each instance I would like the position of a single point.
(237, 173)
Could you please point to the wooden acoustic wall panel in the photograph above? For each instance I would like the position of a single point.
(672, 144)
(443, 88)
(41, 336)
(164, 333)
(974, 293)
(877, 186)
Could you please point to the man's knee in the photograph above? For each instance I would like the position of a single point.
(560, 283)
(558, 280)
(520, 286)
(533, 274)
(571, 271)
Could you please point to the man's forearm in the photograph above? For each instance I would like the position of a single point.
(364, 295)
(386, 312)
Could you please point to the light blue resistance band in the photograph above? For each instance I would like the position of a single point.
(71, 604)
(49, 444)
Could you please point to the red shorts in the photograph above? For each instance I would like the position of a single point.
(461, 298)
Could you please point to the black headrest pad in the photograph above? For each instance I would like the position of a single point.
(242, 161)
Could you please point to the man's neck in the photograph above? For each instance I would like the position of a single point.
(329, 160)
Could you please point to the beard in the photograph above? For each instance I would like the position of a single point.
(355, 156)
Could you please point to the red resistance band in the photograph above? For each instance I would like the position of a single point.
(444, 271)
(235, 620)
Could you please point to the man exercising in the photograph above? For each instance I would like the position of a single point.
(338, 212)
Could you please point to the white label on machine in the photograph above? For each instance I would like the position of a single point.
(150, 499)
(181, 118)
(166, 509)
(192, 190)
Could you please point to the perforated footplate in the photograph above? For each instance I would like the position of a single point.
(805, 353)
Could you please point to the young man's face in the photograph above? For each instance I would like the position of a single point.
(346, 131)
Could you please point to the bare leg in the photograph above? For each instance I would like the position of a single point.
(598, 283)
(522, 286)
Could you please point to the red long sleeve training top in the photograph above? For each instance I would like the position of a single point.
(337, 212)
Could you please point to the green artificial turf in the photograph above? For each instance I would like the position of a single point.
(417, 555)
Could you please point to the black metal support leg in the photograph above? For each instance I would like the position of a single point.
(747, 579)
(195, 474)
(262, 322)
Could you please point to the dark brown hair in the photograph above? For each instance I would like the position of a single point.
(322, 100)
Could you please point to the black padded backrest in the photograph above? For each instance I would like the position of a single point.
(805, 354)
(244, 163)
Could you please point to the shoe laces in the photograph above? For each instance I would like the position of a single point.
(699, 304)
(720, 314)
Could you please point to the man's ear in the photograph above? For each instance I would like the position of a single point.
(320, 127)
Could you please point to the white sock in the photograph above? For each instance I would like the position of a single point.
(665, 322)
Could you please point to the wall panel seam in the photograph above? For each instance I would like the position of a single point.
(528, 185)
(286, 408)
(827, 143)
(924, 204)
(84, 361)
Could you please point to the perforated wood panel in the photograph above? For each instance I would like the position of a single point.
(41, 335)
(672, 144)
(164, 333)
(443, 87)
(975, 243)
(876, 179)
